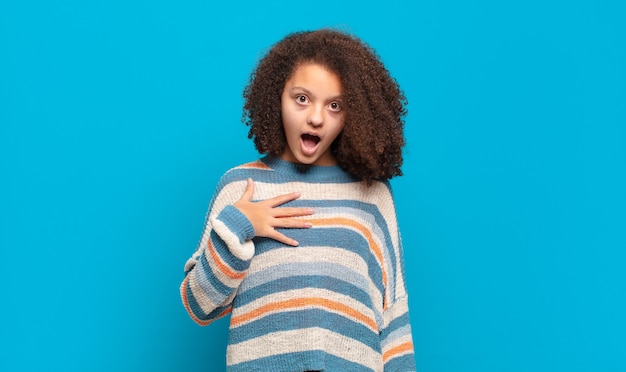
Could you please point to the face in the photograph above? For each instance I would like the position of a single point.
(313, 115)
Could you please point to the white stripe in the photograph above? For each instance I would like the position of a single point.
(303, 340)
(243, 251)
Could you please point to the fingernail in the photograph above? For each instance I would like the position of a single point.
(308, 224)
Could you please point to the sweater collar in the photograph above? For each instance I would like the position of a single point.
(306, 172)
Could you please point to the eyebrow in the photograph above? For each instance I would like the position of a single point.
(309, 93)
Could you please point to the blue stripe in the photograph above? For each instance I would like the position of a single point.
(226, 255)
(314, 360)
(198, 311)
(318, 175)
(395, 324)
(394, 335)
(207, 282)
(206, 276)
(237, 222)
(315, 269)
(401, 363)
(193, 304)
(286, 282)
(302, 319)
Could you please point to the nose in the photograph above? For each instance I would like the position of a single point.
(316, 116)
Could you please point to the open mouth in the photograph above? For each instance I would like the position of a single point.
(310, 141)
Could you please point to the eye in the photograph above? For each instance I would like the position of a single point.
(334, 106)
(302, 99)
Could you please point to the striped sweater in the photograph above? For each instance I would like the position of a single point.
(336, 302)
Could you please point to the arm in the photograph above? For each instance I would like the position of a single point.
(216, 270)
(226, 249)
(396, 337)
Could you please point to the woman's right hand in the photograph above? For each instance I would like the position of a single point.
(266, 216)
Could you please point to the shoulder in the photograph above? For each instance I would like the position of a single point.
(244, 171)
(379, 193)
(232, 184)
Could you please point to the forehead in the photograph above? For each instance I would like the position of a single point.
(312, 76)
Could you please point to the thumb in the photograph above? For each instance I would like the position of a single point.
(247, 194)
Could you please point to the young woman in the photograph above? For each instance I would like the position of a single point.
(302, 246)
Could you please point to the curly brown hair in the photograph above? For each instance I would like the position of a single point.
(370, 144)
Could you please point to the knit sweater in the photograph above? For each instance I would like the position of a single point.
(336, 302)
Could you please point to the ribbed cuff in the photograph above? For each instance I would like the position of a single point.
(236, 231)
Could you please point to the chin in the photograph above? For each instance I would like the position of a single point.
(307, 161)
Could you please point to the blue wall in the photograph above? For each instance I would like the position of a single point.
(117, 119)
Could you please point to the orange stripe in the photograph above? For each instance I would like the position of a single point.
(222, 266)
(363, 230)
(302, 302)
(407, 346)
(255, 164)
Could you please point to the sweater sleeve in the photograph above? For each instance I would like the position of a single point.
(213, 274)
(396, 337)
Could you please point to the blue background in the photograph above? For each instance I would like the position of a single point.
(117, 119)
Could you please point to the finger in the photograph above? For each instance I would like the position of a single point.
(282, 199)
(249, 191)
(292, 212)
(283, 239)
(290, 223)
